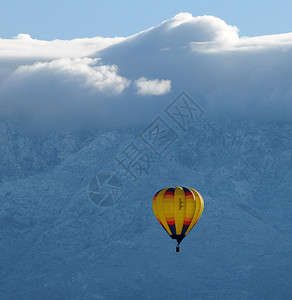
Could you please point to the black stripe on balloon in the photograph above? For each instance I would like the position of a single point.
(186, 190)
(172, 229)
(158, 192)
(184, 229)
(170, 190)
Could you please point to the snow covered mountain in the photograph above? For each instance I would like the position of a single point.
(56, 243)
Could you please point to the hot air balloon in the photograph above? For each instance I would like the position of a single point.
(178, 209)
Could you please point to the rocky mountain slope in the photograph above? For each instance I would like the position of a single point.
(57, 243)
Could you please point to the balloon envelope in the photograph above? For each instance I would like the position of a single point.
(178, 209)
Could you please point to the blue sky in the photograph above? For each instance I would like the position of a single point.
(70, 19)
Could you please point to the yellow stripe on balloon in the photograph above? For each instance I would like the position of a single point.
(179, 209)
(160, 211)
(199, 206)
(168, 208)
(154, 208)
(190, 208)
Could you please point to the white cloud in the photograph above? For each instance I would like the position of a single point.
(152, 87)
(259, 43)
(80, 71)
(214, 28)
(24, 47)
(62, 92)
(89, 80)
(83, 73)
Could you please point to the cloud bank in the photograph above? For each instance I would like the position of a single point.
(104, 81)
(80, 71)
(23, 46)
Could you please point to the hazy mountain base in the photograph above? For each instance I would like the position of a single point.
(56, 243)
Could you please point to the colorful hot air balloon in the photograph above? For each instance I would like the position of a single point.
(178, 209)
